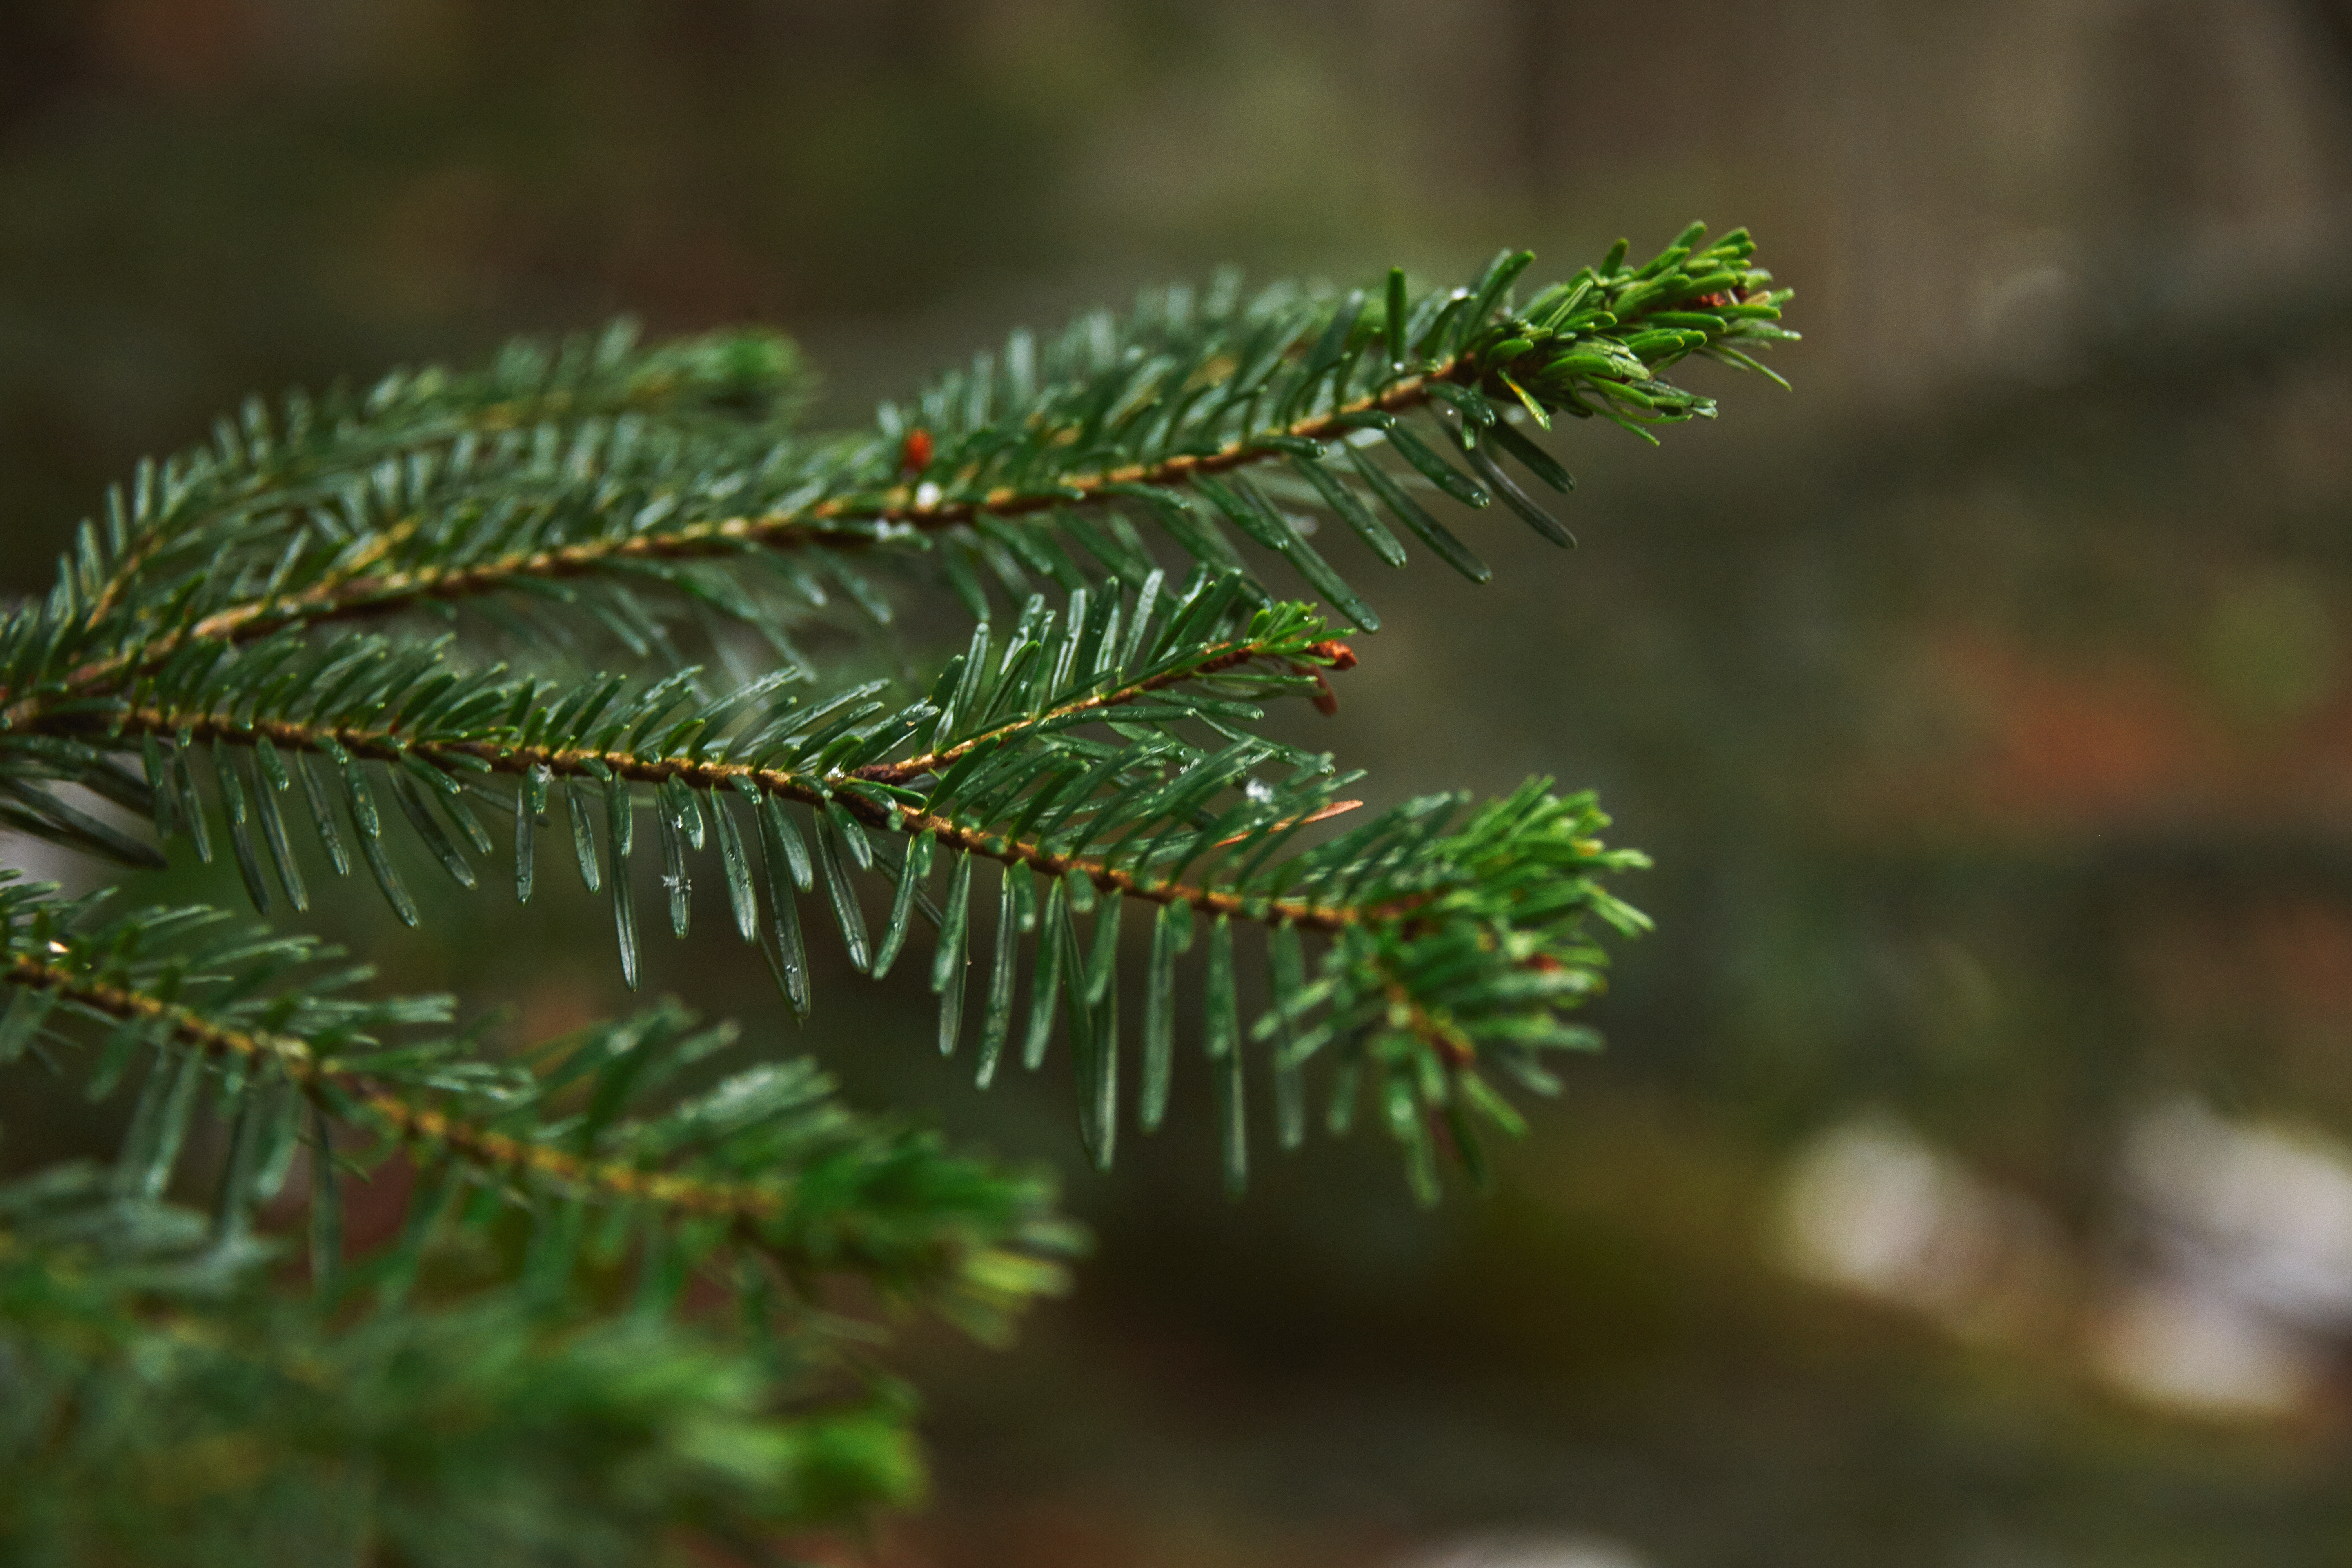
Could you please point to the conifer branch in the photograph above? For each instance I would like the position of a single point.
(1182, 402)
(189, 633)
(281, 1053)
(841, 522)
(423, 1127)
(759, 1214)
(1216, 656)
(352, 595)
(712, 777)
(1097, 753)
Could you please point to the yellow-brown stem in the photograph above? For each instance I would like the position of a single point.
(477, 1145)
(569, 762)
(824, 523)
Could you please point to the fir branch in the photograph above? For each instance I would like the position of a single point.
(235, 1424)
(1448, 949)
(1447, 946)
(1327, 653)
(1102, 752)
(1067, 750)
(804, 789)
(787, 1175)
(349, 595)
(398, 712)
(1179, 405)
(839, 523)
(734, 384)
(423, 1128)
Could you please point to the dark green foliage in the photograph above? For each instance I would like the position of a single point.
(158, 1393)
(261, 1024)
(1104, 506)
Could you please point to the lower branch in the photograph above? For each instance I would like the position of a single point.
(498, 756)
(476, 1145)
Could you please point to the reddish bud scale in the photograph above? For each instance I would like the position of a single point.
(915, 452)
(1726, 297)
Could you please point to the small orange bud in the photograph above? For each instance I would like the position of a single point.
(915, 452)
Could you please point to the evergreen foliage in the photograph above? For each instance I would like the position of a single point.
(368, 617)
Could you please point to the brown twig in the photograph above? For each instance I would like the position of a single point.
(491, 1150)
(572, 762)
(1224, 656)
(827, 523)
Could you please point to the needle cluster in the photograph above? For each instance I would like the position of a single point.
(597, 606)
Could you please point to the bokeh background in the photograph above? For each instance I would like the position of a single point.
(1967, 1184)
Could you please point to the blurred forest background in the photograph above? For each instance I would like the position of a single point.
(1969, 1179)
